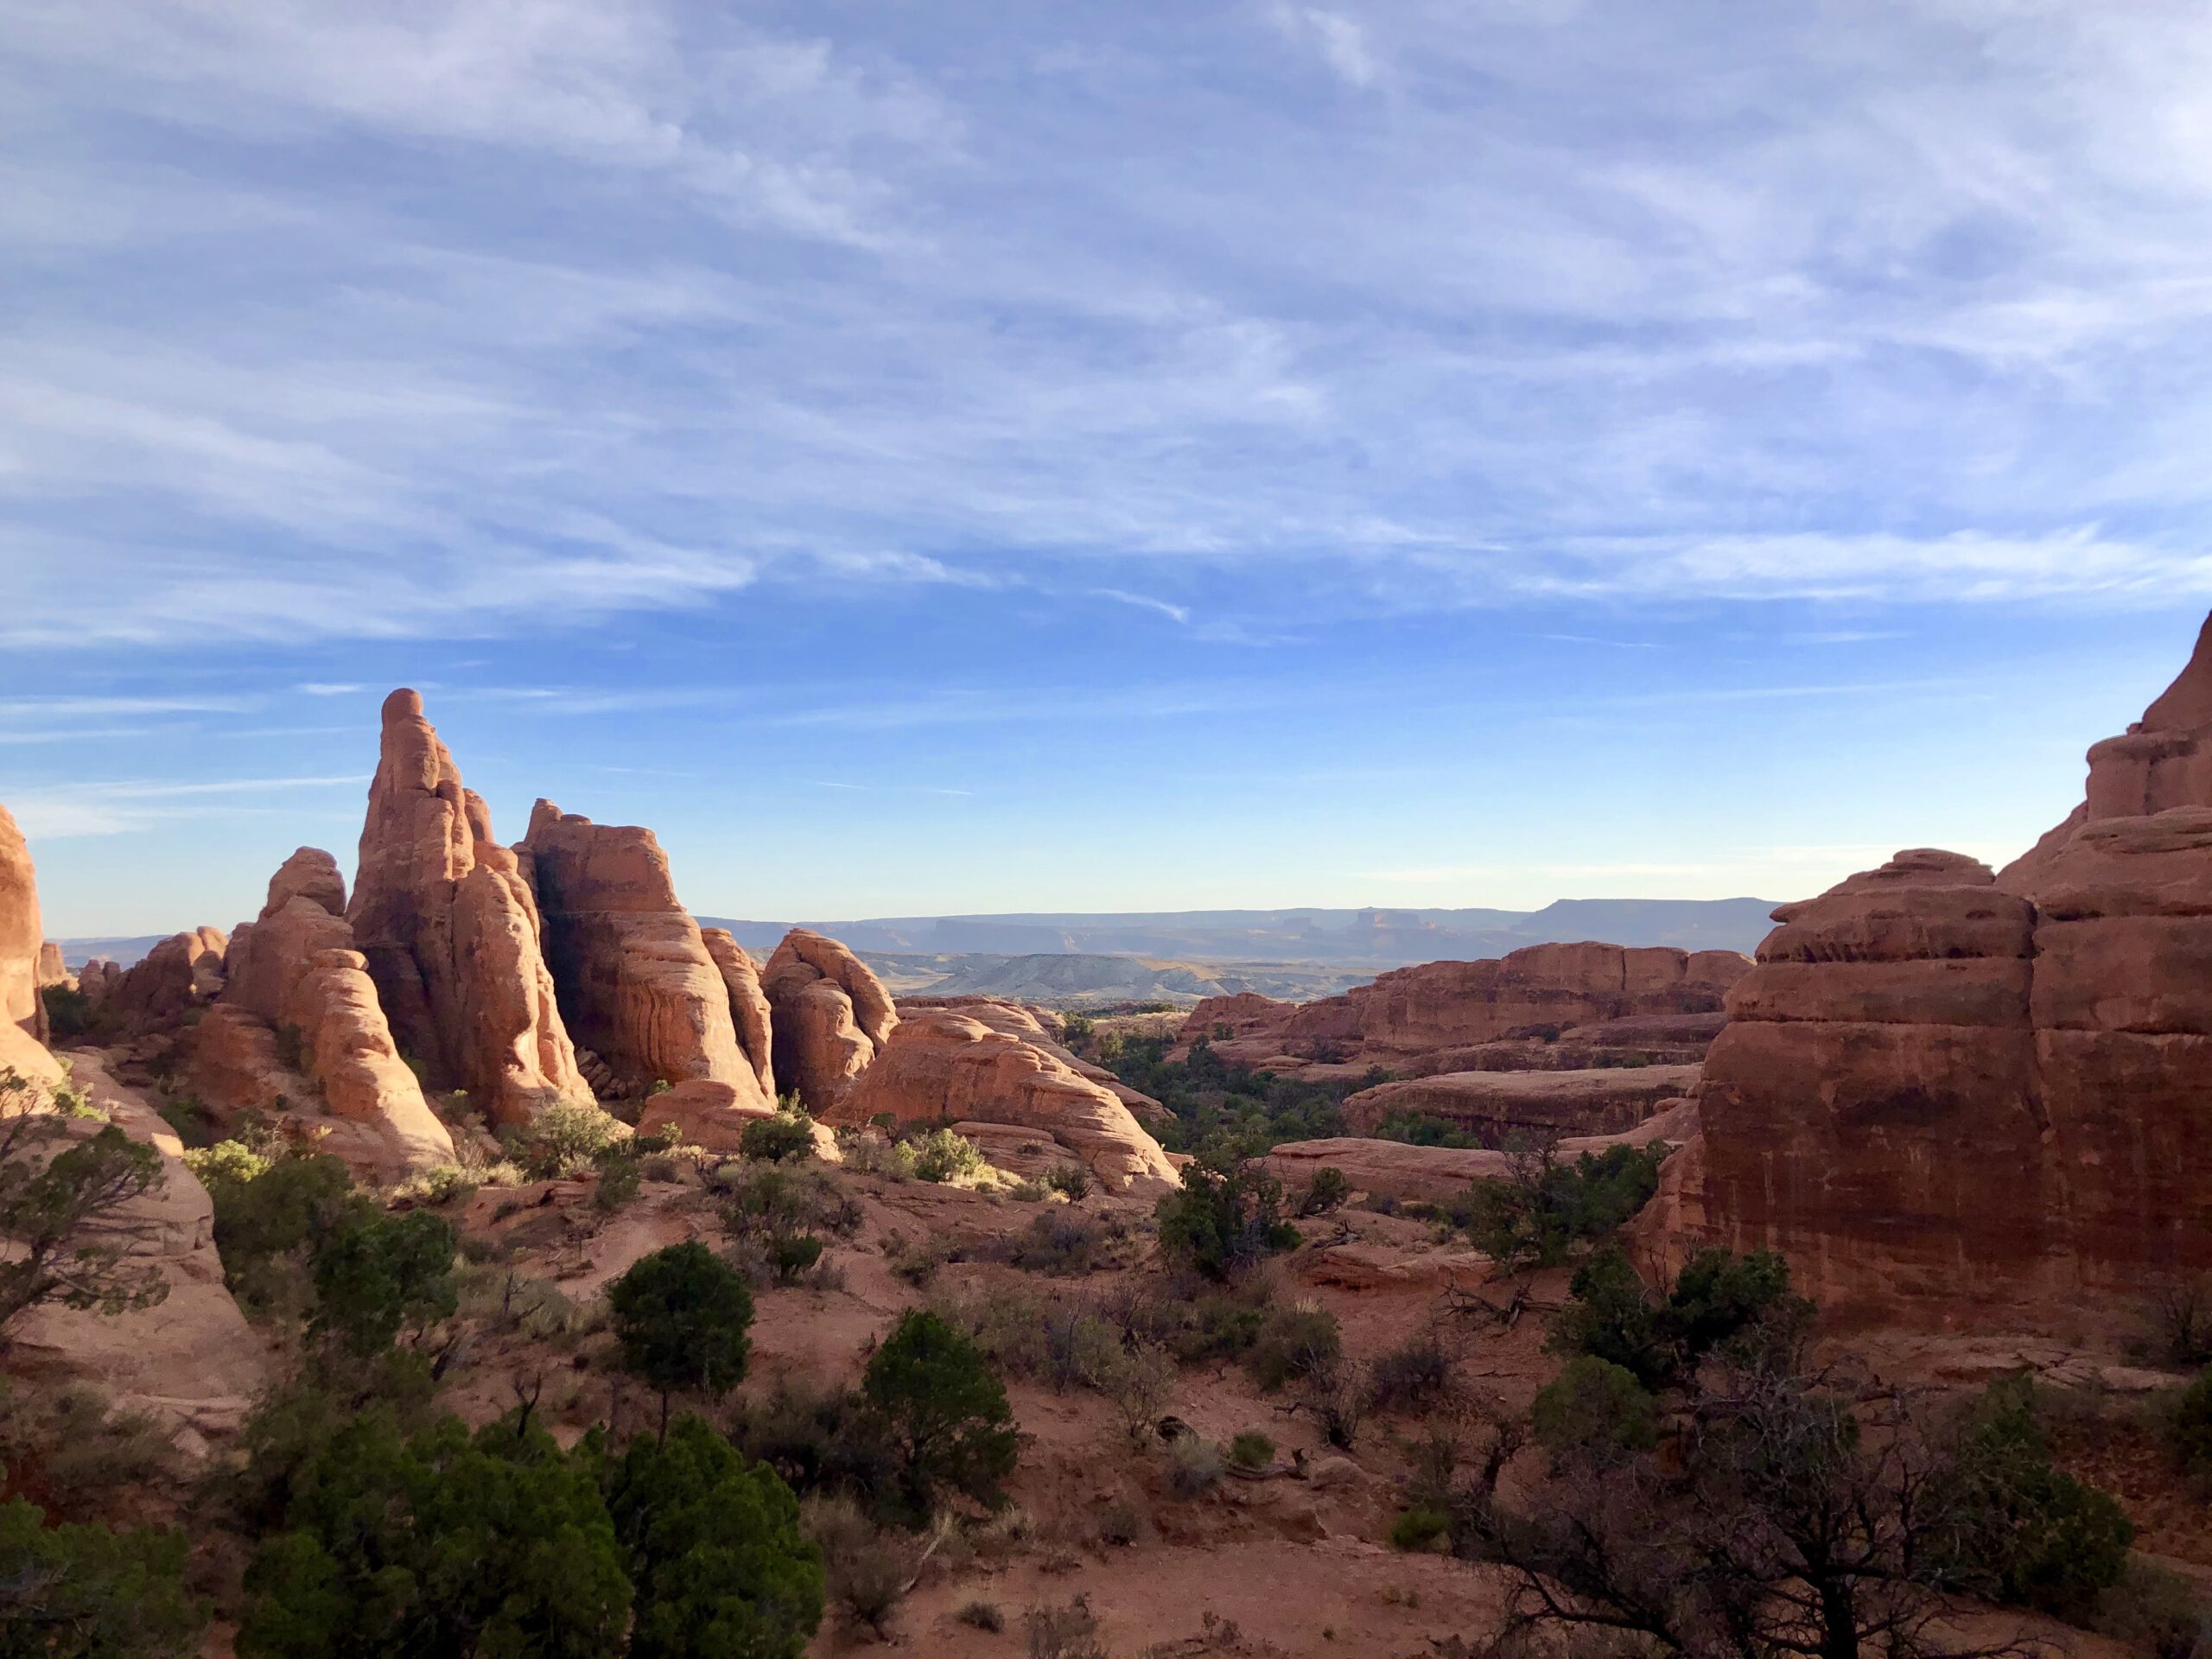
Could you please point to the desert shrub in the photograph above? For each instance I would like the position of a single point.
(2178, 1317)
(949, 1421)
(1224, 1111)
(72, 1450)
(2156, 1611)
(1249, 1449)
(1193, 1465)
(714, 1549)
(1138, 1381)
(565, 1139)
(1071, 1181)
(507, 1300)
(775, 1201)
(77, 1590)
(917, 1261)
(682, 1319)
(1069, 1632)
(619, 1178)
(785, 1138)
(1292, 1343)
(1222, 1219)
(437, 1543)
(1221, 1323)
(195, 1124)
(68, 1011)
(439, 1185)
(791, 1255)
(868, 1152)
(982, 1616)
(2028, 1532)
(1418, 1129)
(2189, 1428)
(868, 1569)
(1716, 1300)
(826, 1440)
(1335, 1393)
(1026, 1192)
(1542, 1208)
(1597, 1412)
(941, 1155)
(231, 1161)
(1419, 1528)
(269, 1212)
(1412, 1376)
(376, 1274)
(1326, 1193)
(1054, 1242)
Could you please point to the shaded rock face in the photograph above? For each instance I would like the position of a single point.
(1496, 1104)
(184, 972)
(639, 984)
(940, 1067)
(1439, 1010)
(451, 933)
(748, 1005)
(295, 969)
(831, 1015)
(52, 969)
(1941, 1084)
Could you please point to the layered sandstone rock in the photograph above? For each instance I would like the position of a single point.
(1426, 1018)
(748, 1005)
(52, 969)
(190, 1360)
(831, 1015)
(1498, 1103)
(181, 974)
(451, 932)
(940, 1067)
(295, 969)
(22, 1016)
(97, 976)
(1031, 1026)
(637, 979)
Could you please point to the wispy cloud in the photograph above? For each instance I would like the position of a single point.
(329, 689)
(121, 806)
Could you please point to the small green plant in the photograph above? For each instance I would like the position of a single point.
(2189, 1430)
(619, 1178)
(1326, 1193)
(1412, 1376)
(942, 1155)
(1716, 1300)
(1293, 1342)
(1421, 1528)
(1071, 1181)
(1250, 1450)
(682, 1316)
(781, 1139)
(1596, 1412)
(68, 1011)
(982, 1616)
(792, 1254)
(1224, 1219)
(565, 1139)
(948, 1414)
(1193, 1465)
(1542, 1208)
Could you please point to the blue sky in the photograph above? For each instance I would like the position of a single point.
(955, 456)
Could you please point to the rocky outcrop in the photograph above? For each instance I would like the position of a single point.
(1497, 1104)
(942, 1067)
(451, 933)
(22, 1015)
(176, 978)
(636, 978)
(748, 1005)
(831, 1015)
(1030, 1024)
(295, 969)
(190, 1360)
(97, 977)
(52, 969)
(1941, 1085)
(1428, 1018)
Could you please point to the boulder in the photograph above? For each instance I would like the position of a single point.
(451, 932)
(178, 977)
(1497, 1104)
(943, 1067)
(1538, 993)
(1030, 1024)
(831, 1015)
(634, 974)
(296, 970)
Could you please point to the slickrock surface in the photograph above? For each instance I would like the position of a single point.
(831, 1015)
(182, 973)
(294, 967)
(1439, 1174)
(1941, 1085)
(451, 932)
(52, 971)
(1029, 1024)
(190, 1359)
(636, 978)
(941, 1067)
(748, 1005)
(22, 934)
(1600, 1102)
(1414, 1013)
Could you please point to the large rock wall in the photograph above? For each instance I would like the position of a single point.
(641, 986)
(181, 974)
(1606, 1100)
(831, 1014)
(1939, 1083)
(22, 1015)
(1414, 1012)
(451, 933)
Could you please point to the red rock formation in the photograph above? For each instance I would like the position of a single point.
(748, 1005)
(1029, 1024)
(97, 976)
(831, 1013)
(941, 1067)
(22, 1016)
(1605, 1101)
(1439, 1010)
(296, 970)
(1940, 1085)
(637, 979)
(183, 972)
(451, 933)
(52, 969)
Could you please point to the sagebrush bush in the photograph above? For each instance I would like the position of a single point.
(1193, 1466)
(1411, 1376)
(785, 1138)
(2189, 1430)
(1419, 1528)
(941, 1155)
(1249, 1449)
(1597, 1412)
(1293, 1342)
(565, 1139)
(1070, 1181)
